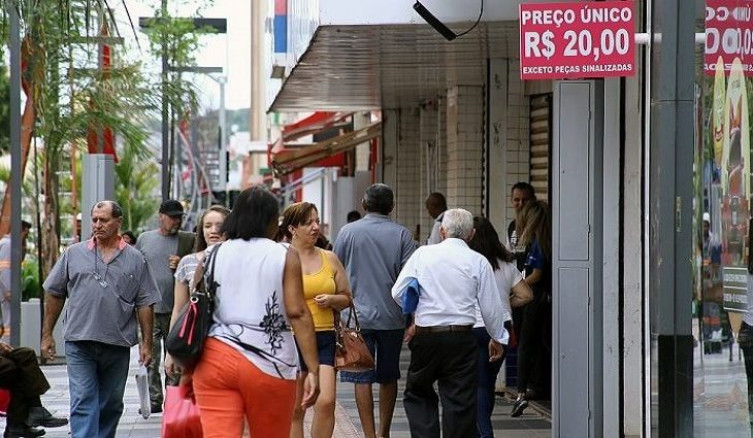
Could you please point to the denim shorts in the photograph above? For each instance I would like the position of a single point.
(325, 346)
(385, 346)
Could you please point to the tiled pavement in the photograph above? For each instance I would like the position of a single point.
(132, 425)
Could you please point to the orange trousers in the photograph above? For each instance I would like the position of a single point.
(228, 386)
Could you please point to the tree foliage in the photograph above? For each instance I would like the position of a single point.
(72, 96)
(135, 173)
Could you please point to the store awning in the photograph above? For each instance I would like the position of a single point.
(285, 159)
(316, 122)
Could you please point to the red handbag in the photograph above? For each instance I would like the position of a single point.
(181, 418)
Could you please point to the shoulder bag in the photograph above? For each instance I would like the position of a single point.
(185, 341)
(351, 351)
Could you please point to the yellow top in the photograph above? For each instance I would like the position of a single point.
(321, 282)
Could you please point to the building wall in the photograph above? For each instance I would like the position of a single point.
(456, 124)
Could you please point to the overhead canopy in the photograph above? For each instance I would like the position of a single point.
(286, 159)
(366, 67)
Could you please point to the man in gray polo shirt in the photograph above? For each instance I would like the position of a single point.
(163, 249)
(109, 287)
(373, 251)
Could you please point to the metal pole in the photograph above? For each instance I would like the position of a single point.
(15, 179)
(165, 114)
(223, 139)
(101, 65)
(671, 201)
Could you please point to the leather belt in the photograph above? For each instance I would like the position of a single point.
(444, 329)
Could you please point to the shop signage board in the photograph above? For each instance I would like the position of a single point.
(577, 40)
(729, 35)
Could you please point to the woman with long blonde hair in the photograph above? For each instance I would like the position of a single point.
(534, 346)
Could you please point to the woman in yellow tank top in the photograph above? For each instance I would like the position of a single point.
(326, 290)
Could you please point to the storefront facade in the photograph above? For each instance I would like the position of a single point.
(645, 343)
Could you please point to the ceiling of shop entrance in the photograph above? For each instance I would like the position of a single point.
(390, 66)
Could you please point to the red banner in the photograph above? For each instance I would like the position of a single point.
(729, 35)
(577, 40)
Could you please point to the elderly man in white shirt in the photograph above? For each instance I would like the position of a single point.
(453, 279)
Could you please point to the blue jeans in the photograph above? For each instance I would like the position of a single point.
(487, 378)
(97, 376)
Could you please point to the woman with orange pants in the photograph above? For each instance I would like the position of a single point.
(249, 363)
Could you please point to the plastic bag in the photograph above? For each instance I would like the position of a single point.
(142, 385)
(181, 418)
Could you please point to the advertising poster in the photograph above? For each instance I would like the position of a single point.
(729, 35)
(718, 111)
(735, 183)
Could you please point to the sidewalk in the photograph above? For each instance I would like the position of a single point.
(347, 425)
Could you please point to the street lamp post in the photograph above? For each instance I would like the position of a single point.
(221, 80)
(218, 25)
(223, 182)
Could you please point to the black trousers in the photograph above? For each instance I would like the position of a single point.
(745, 338)
(20, 373)
(534, 348)
(450, 359)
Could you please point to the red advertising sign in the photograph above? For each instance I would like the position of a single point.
(729, 35)
(577, 40)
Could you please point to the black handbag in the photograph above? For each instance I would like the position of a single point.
(185, 341)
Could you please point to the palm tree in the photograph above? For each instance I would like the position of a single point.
(69, 100)
(136, 178)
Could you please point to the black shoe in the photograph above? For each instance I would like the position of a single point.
(518, 408)
(154, 409)
(40, 416)
(22, 432)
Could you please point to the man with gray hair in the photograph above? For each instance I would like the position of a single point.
(110, 290)
(373, 250)
(452, 281)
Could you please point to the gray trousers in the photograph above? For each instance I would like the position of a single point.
(161, 329)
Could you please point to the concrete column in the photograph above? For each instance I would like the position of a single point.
(496, 154)
(517, 152)
(408, 186)
(363, 150)
(632, 283)
(465, 139)
(98, 184)
(387, 172)
(429, 161)
(442, 143)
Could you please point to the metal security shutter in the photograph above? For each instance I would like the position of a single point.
(541, 140)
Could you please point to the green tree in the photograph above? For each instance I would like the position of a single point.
(71, 98)
(4, 109)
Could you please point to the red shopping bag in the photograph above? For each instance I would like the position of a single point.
(4, 401)
(181, 417)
